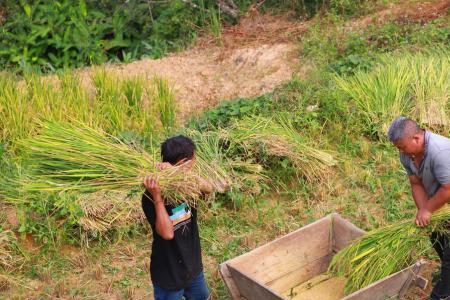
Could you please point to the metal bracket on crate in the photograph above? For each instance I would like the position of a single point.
(415, 279)
(421, 282)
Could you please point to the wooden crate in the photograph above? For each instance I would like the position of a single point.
(267, 272)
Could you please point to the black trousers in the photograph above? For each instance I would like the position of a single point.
(441, 243)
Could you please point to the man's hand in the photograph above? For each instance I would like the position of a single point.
(151, 184)
(423, 217)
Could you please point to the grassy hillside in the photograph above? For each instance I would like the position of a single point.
(311, 147)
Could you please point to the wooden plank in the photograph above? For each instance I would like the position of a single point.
(388, 287)
(300, 275)
(344, 232)
(229, 282)
(252, 289)
(286, 254)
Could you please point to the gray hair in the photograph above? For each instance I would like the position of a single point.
(401, 128)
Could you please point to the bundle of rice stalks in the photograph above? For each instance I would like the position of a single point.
(101, 211)
(76, 158)
(279, 138)
(386, 250)
(224, 173)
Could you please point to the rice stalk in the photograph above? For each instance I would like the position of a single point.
(384, 251)
(140, 110)
(76, 158)
(133, 89)
(76, 99)
(109, 99)
(14, 111)
(215, 24)
(165, 101)
(431, 88)
(279, 138)
(116, 106)
(9, 178)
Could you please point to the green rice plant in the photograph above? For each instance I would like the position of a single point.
(14, 110)
(140, 110)
(165, 101)
(380, 95)
(431, 87)
(109, 100)
(215, 24)
(278, 137)
(133, 88)
(117, 105)
(416, 85)
(386, 250)
(75, 158)
(76, 99)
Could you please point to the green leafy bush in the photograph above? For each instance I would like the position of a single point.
(58, 34)
(226, 111)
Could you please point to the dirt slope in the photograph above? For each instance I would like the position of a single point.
(254, 56)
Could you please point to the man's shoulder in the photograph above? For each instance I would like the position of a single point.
(437, 144)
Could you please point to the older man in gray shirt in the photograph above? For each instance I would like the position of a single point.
(426, 159)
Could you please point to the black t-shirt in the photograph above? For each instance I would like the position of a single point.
(174, 263)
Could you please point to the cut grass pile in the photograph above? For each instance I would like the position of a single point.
(278, 137)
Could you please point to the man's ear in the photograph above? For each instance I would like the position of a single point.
(416, 138)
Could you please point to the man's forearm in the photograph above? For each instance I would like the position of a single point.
(419, 195)
(439, 199)
(163, 224)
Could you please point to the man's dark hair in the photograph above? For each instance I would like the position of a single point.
(177, 148)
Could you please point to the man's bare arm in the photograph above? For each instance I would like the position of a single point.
(418, 192)
(163, 224)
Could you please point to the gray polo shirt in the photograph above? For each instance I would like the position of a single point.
(435, 167)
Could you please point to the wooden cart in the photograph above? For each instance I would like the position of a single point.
(272, 271)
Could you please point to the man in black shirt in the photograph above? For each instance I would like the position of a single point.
(176, 264)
